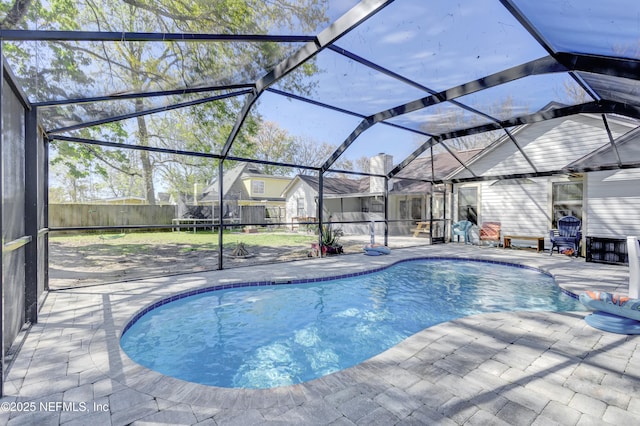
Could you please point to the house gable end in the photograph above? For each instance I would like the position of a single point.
(550, 145)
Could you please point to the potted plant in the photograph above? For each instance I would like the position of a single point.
(330, 239)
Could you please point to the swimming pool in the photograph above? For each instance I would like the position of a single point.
(268, 336)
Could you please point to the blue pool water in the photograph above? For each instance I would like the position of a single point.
(268, 336)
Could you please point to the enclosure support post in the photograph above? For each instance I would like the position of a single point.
(320, 208)
(386, 211)
(220, 210)
(431, 198)
(31, 209)
(2, 372)
(45, 210)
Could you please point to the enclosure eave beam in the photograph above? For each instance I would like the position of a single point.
(133, 147)
(139, 95)
(563, 171)
(115, 36)
(586, 108)
(174, 151)
(606, 65)
(147, 112)
(545, 65)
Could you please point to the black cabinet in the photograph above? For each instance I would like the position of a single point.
(607, 250)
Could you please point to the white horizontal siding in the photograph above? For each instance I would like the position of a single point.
(513, 163)
(613, 207)
(564, 141)
(304, 191)
(550, 145)
(521, 209)
(502, 160)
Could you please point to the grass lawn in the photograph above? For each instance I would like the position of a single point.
(203, 240)
(89, 259)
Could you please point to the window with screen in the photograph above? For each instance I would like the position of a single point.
(257, 187)
(468, 204)
(567, 200)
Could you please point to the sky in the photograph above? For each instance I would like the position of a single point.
(439, 45)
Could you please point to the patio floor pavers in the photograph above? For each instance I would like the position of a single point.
(502, 368)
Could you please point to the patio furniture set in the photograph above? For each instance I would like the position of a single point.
(565, 239)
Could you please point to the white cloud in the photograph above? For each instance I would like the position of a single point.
(398, 37)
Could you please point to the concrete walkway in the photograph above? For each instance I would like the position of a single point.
(508, 368)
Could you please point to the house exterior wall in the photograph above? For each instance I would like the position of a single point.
(352, 204)
(524, 206)
(273, 186)
(613, 202)
(405, 228)
(350, 210)
(521, 208)
(300, 190)
(550, 145)
(568, 138)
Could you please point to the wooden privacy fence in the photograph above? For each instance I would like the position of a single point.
(62, 215)
(253, 214)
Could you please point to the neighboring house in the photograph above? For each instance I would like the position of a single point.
(344, 199)
(532, 206)
(165, 199)
(362, 199)
(250, 196)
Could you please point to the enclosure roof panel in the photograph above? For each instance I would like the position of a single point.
(608, 28)
(361, 77)
(441, 44)
(56, 70)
